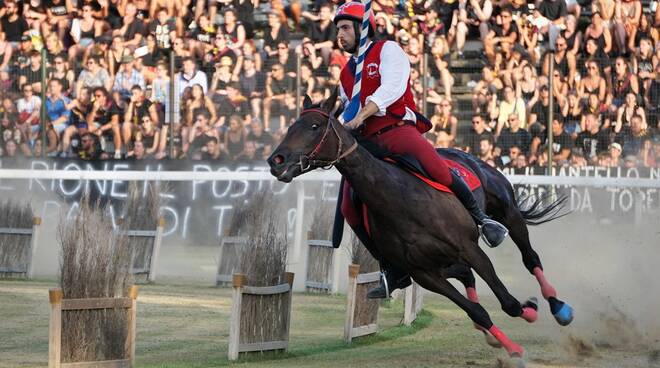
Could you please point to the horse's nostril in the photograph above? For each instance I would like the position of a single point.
(278, 159)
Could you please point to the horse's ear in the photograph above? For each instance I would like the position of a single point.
(339, 111)
(307, 102)
(329, 104)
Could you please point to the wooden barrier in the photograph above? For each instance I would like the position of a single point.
(247, 334)
(58, 306)
(361, 313)
(26, 270)
(229, 258)
(144, 254)
(320, 254)
(413, 302)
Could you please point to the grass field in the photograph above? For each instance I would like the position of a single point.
(187, 326)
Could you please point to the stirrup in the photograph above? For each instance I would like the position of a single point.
(383, 279)
(487, 221)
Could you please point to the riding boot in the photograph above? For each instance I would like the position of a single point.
(392, 278)
(492, 232)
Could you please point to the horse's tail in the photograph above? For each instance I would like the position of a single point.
(535, 211)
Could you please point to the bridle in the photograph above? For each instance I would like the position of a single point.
(306, 161)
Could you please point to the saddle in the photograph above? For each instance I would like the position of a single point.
(412, 166)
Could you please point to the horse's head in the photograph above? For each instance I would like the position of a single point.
(315, 140)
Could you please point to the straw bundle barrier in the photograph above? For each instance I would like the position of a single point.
(14, 248)
(141, 212)
(322, 221)
(263, 262)
(95, 264)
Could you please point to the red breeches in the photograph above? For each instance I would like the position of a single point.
(404, 140)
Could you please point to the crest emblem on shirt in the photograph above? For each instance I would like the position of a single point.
(372, 70)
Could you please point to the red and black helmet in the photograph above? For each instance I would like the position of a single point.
(354, 11)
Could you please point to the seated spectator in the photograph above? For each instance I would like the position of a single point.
(13, 23)
(506, 32)
(71, 137)
(490, 83)
(234, 142)
(540, 107)
(90, 148)
(94, 76)
(138, 152)
(443, 120)
(322, 32)
(210, 151)
(127, 78)
(627, 111)
(478, 132)
(593, 140)
(529, 38)
(188, 77)
(28, 107)
(642, 64)
(133, 29)
(199, 134)
(626, 18)
(278, 101)
(622, 83)
(57, 107)
(443, 140)
(198, 103)
(565, 64)
(200, 39)
(550, 18)
(571, 112)
(252, 85)
(31, 74)
(562, 144)
(511, 104)
(439, 69)
(527, 84)
(514, 134)
(308, 53)
(647, 156)
(262, 139)
(163, 28)
(614, 157)
(384, 28)
(274, 34)
(104, 118)
(218, 53)
(5, 51)
(249, 153)
(593, 82)
(233, 28)
(151, 136)
(632, 136)
(138, 107)
(62, 72)
(473, 18)
(572, 34)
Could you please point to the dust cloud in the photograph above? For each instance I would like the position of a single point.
(606, 266)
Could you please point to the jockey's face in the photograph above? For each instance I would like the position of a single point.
(346, 35)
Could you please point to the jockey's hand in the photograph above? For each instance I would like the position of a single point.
(355, 123)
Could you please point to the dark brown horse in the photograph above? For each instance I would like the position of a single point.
(423, 231)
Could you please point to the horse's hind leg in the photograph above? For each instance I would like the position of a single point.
(510, 305)
(439, 284)
(518, 232)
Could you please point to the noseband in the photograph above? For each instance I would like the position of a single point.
(308, 160)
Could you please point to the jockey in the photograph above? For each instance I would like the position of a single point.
(388, 117)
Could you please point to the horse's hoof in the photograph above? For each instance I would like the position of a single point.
(564, 315)
(491, 340)
(515, 351)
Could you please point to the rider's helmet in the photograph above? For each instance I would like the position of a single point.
(354, 11)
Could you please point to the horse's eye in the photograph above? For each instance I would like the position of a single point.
(315, 126)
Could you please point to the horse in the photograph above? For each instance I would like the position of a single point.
(432, 243)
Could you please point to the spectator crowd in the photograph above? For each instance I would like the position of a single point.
(216, 80)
